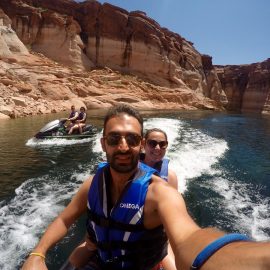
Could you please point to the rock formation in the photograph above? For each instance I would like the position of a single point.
(97, 55)
(247, 87)
(9, 42)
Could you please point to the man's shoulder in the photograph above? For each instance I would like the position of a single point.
(172, 179)
(159, 188)
(157, 179)
(87, 183)
(157, 184)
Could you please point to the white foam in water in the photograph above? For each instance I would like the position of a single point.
(244, 203)
(36, 203)
(97, 145)
(191, 152)
(170, 126)
(33, 142)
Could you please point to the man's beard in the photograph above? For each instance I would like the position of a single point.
(123, 168)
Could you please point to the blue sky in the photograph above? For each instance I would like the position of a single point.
(231, 31)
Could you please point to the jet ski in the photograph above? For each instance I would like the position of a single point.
(57, 129)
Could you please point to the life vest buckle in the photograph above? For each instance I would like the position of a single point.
(104, 222)
(112, 260)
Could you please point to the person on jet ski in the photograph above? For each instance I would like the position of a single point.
(72, 117)
(79, 122)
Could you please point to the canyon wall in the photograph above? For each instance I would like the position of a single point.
(59, 39)
(247, 87)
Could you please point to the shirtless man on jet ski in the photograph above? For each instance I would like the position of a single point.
(72, 117)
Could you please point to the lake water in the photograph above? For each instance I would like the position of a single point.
(222, 162)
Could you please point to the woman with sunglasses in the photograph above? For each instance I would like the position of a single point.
(155, 144)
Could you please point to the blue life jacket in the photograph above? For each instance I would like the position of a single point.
(118, 231)
(81, 116)
(72, 114)
(162, 167)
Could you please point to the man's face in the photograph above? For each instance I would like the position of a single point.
(122, 143)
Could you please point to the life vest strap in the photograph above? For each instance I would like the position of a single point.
(112, 224)
(136, 262)
(142, 244)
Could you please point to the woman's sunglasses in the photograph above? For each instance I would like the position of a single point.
(154, 143)
(132, 139)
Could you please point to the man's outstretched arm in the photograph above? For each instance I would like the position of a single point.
(58, 228)
(188, 240)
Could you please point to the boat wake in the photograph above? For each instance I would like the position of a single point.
(35, 204)
(190, 151)
(33, 142)
(244, 206)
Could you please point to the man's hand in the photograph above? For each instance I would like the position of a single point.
(34, 263)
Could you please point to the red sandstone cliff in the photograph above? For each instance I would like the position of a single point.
(247, 87)
(57, 45)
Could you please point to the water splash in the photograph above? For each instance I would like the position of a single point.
(33, 142)
(244, 204)
(23, 219)
(97, 145)
(191, 152)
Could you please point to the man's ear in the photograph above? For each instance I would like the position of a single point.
(102, 141)
(143, 144)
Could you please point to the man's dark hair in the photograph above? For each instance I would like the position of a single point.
(122, 109)
(149, 131)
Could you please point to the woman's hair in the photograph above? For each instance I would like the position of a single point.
(149, 131)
